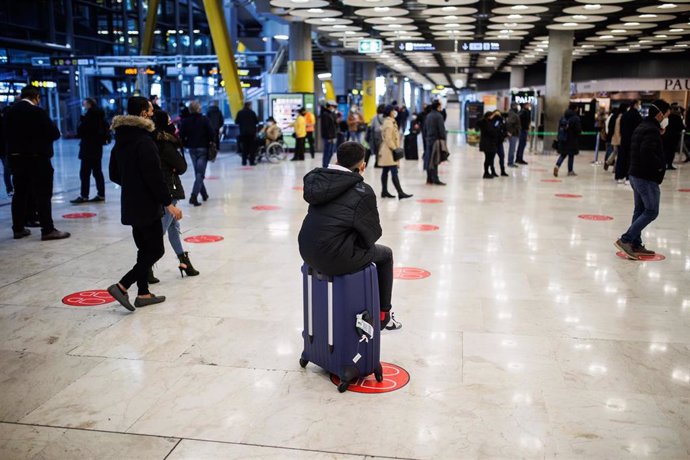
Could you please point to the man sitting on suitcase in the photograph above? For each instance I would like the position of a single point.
(338, 235)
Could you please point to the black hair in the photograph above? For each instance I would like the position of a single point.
(30, 92)
(271, 119)
(136, 105)
(380, 108)
(387, 110)
(659, 106)
(623, 107)
(160, 119)
(153, 97)
(247, 105)
(350, 154)
(435, 105)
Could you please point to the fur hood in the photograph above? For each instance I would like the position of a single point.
(134, 121)
(163, 136)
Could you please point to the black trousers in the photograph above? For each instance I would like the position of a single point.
(383, 258)
(299, 148)
(33, 181)
(91, 165)
(489, 162)
(149, 241)
(312, 147)
(248, 148)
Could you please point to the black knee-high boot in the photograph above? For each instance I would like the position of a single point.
(384, 186)
(398, 187)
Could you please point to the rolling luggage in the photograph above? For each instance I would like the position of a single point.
(410, 145)
(342, 324)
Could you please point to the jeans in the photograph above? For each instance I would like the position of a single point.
(7, 174)
(609, 151)
(647, 197)
(383, 258)
(501, 156)
(91, 165)
(199, 158)
(622, 162)
(172, 226)
(571, 160)
(328, 149)
(522, 143)
(512, 144)
(354, 136)
(149, 241)
(33, 189)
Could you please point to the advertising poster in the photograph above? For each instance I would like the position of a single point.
(284, 109)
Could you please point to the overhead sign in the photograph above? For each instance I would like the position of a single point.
(249, 72)
(43, 61)
(370, 46)
(70, 61)
(489, 45)
(136, 71)
(418, 47)
(449, 46)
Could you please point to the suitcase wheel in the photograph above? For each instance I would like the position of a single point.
(342, 387)
(378, 373)
(303, 362)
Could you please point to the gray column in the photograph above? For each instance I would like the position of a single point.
(300, 42)
(517, 77)
(339, 74)
(559, 70)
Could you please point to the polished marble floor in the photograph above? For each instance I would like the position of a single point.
(530, 339)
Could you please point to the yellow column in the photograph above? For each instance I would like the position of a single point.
(225, 53)
(369, 91)
(329, 90)
(301, 76)
(147, 39)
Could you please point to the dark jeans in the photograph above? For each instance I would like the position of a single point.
(571, 160)
(312, 147)
(647, 197)
(149, 241)
(622, 162)
(501, 157)
(7, 174)
(299, 148)
(199, 158)
(248, 148)
(91, 165)
(512, 145)
(328, 150)
(383, 258)
(609, 151)
(489, 162)
(522, 143)
(33, 179)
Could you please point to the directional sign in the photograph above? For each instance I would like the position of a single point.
(488, 46)
(449, 46)
(71, 61)
(370, 46)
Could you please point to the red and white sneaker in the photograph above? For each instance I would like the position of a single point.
(388, 321)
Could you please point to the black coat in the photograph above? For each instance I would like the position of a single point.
(490, 134)
(629, 121)
(525, 119)
(573, 126)
(29, 130)
(247, 120)
(647, 159)
(215, 117)
(173, 163)
(672, 133)
(135, 165)
(329, 129)
(342, 224)
(196, 132)
(434, 127)
(93, 132)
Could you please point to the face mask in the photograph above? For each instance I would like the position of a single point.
(414, 117)
(394, 114)
(664, 123)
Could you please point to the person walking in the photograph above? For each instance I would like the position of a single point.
(614, 129)
(6, 174)
(300, 125)
(217, 120)
(673, 127)
(136, 167)
(403, 116)
(373, 135)
(434, 129)
(514, 127)
(310, 119)
(196, 134)
(94, 133)
(173, 166)
(629, 122)
(329, 132)
(30, 134)
(525, 116)
(389, 145)
(247, 121)
(488, 142)
(569, 130)
(647, 169)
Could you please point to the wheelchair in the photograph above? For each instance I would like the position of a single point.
(274, 152)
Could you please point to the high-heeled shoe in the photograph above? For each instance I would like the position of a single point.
(204, 197)
(188, 267)
(152, 278)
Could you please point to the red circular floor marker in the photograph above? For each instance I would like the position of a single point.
(93, 298)
(265, 207)
(551, 180)
(299, 188)
(422, 227)
(654, 258)
(568, 195)
(537, 169)
(684, 190)
(598, 217)
(212, 177)
(394, 378)
(410, 273)
(80, 215)
(204, 239)
(247, 168)
(430, 201)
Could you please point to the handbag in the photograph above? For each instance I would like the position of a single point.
(398, 154)
(212, 152)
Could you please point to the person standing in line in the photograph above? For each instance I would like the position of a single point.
(136, 167)
(30, 136)
(217, 120)
(389, 144)
(196, 134)
(374, 136)
(94, 133)
(514, 127)
(247, 121)
(647, 169)
(525, 115)
(488, 143)
(403, 115)
(629, 121)
(310, 119)
(500, 124)
(353, 122)
(673, 130)
(435, 130)
(569, 130)
(426, 110)
(614, 127)
(155, 101)
(300, 125)
(342, 128)
(329, 133)
(7, 175)
(173, 166)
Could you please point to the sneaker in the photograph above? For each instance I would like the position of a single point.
(79, 200)
(487, 176)
(22, 233)
(555, 171)
(627, 248)
(620, 181)
(97, 199)
(642, 251)
(571, 173)
(388, 321)
(55, 235)
(522, 162)
(513, 166)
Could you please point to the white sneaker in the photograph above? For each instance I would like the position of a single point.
(392, 323)
(620, 181)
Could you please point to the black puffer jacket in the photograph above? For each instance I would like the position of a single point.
(173, 163)
(342, 224)
(135, 165)
(573, 127)
(489, 133)
(647, 159)
(629, 122)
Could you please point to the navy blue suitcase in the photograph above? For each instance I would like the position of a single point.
(342, 324)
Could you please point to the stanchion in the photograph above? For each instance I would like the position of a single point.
(596, 150)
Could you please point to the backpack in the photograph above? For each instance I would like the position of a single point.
(563, 127)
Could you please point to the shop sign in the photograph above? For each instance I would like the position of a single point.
(677, 84)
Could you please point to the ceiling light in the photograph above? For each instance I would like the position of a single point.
(452, 26)
(645, 41)
(300, 1)
(281, 37)
(389, 18)
(662, 36)
(677, 30)
(580, 17)
(571, 24)
(328, 19)
(381, 9)
(667, 6)
(648, 15)
(631, 24)
(394, 26)
(349, 32)
(594, 6)
(450, 18)
(519, 16)
(605, 37)
(449, 8)
(490, 58)
(680, 45)
(510, 24)
(315, 10)
(587, 46)
(519, 7)
(618, 31)
(623, 49)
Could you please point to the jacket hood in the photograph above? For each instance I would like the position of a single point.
(323, 185)
(167, 137)
(133, 121)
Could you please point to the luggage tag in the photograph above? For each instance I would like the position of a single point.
(365, 329)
